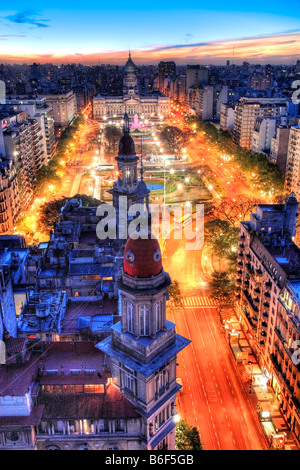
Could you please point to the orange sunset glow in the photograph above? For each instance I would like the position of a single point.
(276, 48)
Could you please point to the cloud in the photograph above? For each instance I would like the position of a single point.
(28, 17)
(275, 48)
(3, 37)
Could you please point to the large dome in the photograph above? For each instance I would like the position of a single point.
(129, 66)
(142, 257)
(126, 145)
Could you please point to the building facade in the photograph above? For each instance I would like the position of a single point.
(248, 110)
(292, 182)
(268, 280)
(64, 107)
(150, 106)
(143, 347)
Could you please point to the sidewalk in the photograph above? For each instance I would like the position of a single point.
(262, 398)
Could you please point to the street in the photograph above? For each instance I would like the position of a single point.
(212, 398)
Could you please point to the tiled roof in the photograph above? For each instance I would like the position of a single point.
(96, 406)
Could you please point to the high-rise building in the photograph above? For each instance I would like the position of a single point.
(196, 76)
(279, 147)
(42, 111)
(292, 182)
(165, 69)
(2, 92)
(226, 117)
(264, 131)
(248, 110)
(64, 107)
(268, 280)
(204, 106)
(9, 196)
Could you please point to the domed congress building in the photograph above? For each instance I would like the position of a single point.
(112, 107)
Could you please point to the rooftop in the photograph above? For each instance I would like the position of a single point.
(16, 380)
(41, 312)
(99, 406)
(96, 314)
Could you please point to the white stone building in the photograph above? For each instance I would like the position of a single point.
(151, 107)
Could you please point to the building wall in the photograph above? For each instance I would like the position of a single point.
(64, 108)
(246, 113)
(293, 162)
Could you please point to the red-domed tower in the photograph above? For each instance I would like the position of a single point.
(143, 347)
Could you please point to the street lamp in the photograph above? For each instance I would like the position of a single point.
(165, 166)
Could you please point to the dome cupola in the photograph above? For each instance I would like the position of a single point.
(142, 257)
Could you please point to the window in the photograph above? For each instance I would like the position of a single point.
(159, 383)
(103, 425)
(94, 388)
(130, 316)
(144, 312)
(158, 315)
(119, 425)
(129, 382)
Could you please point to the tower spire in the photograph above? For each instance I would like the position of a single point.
(126, 127)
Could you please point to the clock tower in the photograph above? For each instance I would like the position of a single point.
(143, 347)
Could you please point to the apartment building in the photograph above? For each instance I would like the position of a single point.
(39, 109)
(264, 131)
(9, 196)
(226, 117)
(279, 148)
(248, 110)
(268, 280)
(292, 182)
(64, 107)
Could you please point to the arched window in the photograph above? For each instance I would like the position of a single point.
(158, 315)
(129, 309)
(144, 312)
(159, 383)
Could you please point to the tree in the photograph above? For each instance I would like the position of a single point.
(187, 437)
(175, 293)
(221, 238)
(174, 138)
(113, 135)
(223, 289)
(50, 211)
(235, 211)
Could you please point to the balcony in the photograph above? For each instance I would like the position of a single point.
(250, 301)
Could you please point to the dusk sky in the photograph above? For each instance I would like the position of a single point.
(93, 32)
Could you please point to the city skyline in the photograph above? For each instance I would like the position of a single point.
(94, 34)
